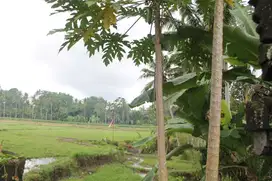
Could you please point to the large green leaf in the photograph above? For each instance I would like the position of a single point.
(241, 45)
(146, 96)
(171, 87)
(241, 14)
(237, 42)
(182, 128)
(176, 87)
(234, 61)
(225, 110)
(231, 132)
(171, 99)
(236, 72)
(143, 141)
(197, 99)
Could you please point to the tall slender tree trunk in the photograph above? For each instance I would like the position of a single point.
(32, 112)
(163, 175)
(216, 95)
(4, 111)
(41, 113)
(51, 110)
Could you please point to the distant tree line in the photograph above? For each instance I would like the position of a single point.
(46, 105)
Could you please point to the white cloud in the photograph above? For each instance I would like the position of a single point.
(29, 59)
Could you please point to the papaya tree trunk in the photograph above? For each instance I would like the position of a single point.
(163, 175)
(216, 95)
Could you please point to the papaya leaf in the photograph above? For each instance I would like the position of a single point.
(109, 17)
(91, 20)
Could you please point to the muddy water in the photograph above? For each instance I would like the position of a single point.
(31, 164)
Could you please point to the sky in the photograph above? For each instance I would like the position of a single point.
(29, 59)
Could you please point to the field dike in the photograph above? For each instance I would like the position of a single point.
(11, 167)
(78, 164)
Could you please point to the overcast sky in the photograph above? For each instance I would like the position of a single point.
(29, 59)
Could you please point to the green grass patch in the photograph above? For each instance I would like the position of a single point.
(175, 164)
(35, 139)
(111, 172)
(149, 160)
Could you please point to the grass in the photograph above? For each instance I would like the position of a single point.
(77, 123)
(175, 164)
(40, 139)
(111, 172)
(34, 139)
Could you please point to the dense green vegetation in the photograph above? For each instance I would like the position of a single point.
(46, 105)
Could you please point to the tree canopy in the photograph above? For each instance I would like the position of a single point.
(48, 105)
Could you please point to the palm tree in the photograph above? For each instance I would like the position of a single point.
(150, 71)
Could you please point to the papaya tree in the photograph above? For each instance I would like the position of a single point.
(93, 21)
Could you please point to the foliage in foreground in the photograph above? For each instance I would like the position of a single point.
(190, 94)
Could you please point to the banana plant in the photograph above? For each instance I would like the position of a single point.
(241, 42)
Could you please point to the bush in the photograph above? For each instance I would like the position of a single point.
(54, 171)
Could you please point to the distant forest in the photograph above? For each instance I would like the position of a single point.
(46, 105)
